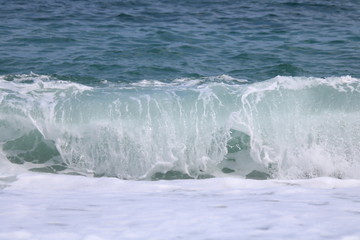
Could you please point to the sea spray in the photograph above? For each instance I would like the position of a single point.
(286, 127)
(303, 127)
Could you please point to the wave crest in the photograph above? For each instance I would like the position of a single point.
(286, 127)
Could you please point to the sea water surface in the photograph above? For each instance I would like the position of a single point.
(252, 108)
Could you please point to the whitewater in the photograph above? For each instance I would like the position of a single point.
(275, 159)
(45, 206)
(283, 128)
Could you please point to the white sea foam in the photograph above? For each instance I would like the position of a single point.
(43, 206)
(190, 82)
(27, 83)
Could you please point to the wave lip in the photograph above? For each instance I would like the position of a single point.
(286, 127)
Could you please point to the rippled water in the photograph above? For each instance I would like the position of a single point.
(131, 40)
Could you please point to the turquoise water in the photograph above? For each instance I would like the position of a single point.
(153, 90)
(125, 41)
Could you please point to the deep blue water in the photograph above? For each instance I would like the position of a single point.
(132, 40)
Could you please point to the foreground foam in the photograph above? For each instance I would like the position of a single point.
(54, 183)
(49, 206)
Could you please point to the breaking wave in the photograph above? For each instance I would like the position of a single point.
(285, 127)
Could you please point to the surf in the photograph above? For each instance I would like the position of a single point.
(282, 128)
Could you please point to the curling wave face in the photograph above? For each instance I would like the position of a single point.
(285, 127)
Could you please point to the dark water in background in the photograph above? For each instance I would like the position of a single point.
(188, 89)
(126, 41)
